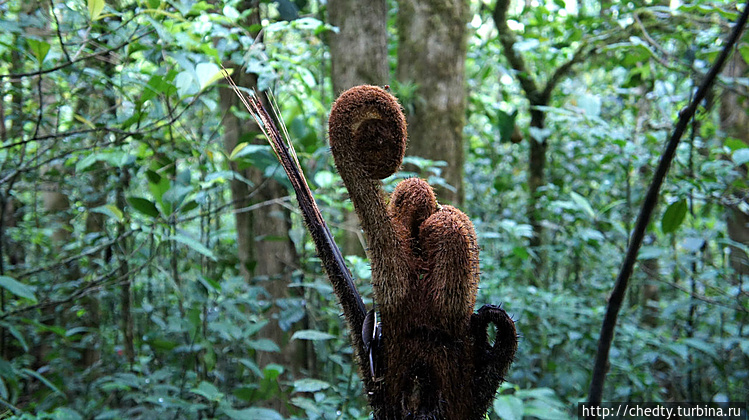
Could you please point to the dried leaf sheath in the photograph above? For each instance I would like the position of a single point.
(333, 262)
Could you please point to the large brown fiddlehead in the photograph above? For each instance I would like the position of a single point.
(433, 359)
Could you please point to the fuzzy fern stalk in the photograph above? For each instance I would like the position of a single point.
(432, 358)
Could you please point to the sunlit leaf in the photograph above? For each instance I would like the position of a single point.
(109, 210)
(207, 74)
(39, 48)
(95, 8)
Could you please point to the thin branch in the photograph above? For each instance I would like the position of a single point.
(59, 33)
(583, 52)
(643, 219)
(507, 39)
(89, 287)
(70, 259)
(70, 63)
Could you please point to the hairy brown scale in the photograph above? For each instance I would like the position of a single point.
(434, 361)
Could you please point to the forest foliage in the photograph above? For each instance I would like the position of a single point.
(121, 294)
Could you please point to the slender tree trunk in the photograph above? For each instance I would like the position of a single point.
(536, 180)
(734, 120)
(359, 56)
(266, 254)
(431, 54)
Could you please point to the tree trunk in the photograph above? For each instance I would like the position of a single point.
(734, 121)
(536, 180)
(266, 254)
(359, 56)
(431, 55)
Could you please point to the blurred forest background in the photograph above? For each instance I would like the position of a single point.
(154, 265)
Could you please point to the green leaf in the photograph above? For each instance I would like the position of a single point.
(94, 8)
(508, 407)
(43, 380)
(17, 288)
(207, 74)
(209, 391)
(744, 51)
(39, 48)
(673, 216)
(506, 125)
(252, 413)
(109, 210)
(144, 206)
(583, 204)
(264, 344)
(245, 150)
(311, 335)
(65, 413)
(17, 334)
(310, 385)
(741, 156)
(194, 244)
(734, 143)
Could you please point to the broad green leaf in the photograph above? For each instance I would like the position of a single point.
(94, 8)
(109, 210)
(310, 385)
(734, 143)
(506, 125)
(194, 244)
(43, 380)
(311, 335)
(17, 288)
(583, 204)
(673, 216)
(143, 206)
(209, 391)
(264, 344)
(39, 48)
(702, 346)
